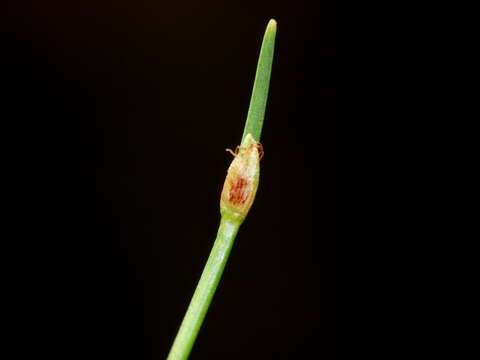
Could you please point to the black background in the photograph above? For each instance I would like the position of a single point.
(120, 113)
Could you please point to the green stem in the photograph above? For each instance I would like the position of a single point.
(247, 164)
(258, 101)
(205, 290)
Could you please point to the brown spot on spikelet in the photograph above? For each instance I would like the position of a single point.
(238, 194)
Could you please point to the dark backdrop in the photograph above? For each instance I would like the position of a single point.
(120, 113)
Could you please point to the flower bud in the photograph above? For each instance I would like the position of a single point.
(241, 182)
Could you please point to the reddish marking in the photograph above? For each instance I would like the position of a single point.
(260, 150)
(238, 194)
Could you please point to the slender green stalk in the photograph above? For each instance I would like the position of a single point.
(258, 101)
(236, 199)
(205, 289)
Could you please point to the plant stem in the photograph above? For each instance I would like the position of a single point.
(258, 101)
(237, 196)
(205, 290)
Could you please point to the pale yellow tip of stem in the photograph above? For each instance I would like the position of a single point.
(272, 23)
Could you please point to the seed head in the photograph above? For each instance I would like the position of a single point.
(242, 178)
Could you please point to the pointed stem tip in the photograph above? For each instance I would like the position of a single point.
(258, 101)
(272, 24)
